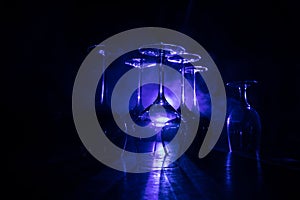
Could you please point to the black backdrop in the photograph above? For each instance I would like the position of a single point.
(47, 42)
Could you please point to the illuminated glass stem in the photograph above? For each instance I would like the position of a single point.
(194, 89)
(139, 99)
(182, 85)
(243, 95)
(161, 77)
(103, 82)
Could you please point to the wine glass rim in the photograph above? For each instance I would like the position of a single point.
(139, 63)
(184, 58)
(245, 83)
(197, 68)
(154, 49)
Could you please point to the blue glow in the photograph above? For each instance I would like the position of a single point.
(152, 187)
(228, 137)
(158, 182)
(159, 121)
(228, 170)
(149, 95)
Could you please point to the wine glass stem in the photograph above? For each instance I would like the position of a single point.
(139, 102)
(194, 89)
(243, 95)
(182, 85)
(161, 77)
(102, 82)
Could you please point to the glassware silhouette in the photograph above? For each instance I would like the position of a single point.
(173, 125)
(182, 60)
(160, 111)
(243, 123)
(158, 118)
(101, 51)
(140, 64)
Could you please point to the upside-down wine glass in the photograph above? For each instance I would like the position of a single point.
(154, 113)
(173, 125)
(243, 123)
(140, 64)
(182, 60)
(160, 111)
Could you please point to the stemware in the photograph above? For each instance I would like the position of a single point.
(140, 64)
(243, 123)
(190, 115)
(182, 60)
(160, 111)
(101, 51)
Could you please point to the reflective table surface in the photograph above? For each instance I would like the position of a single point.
(220, 175)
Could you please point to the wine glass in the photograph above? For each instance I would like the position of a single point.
(190, 114)
(172, 125)
(182, 60)
(140, 64)
(101, 51)
(160, 111)
(193, 70)
(243, 123)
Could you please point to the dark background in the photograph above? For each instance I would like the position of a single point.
(45, 44)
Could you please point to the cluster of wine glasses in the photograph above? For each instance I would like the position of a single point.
(243, 122)
(161, 114)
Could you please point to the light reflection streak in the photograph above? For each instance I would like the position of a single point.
(158, 184)
(153, 184)
(228, 171)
